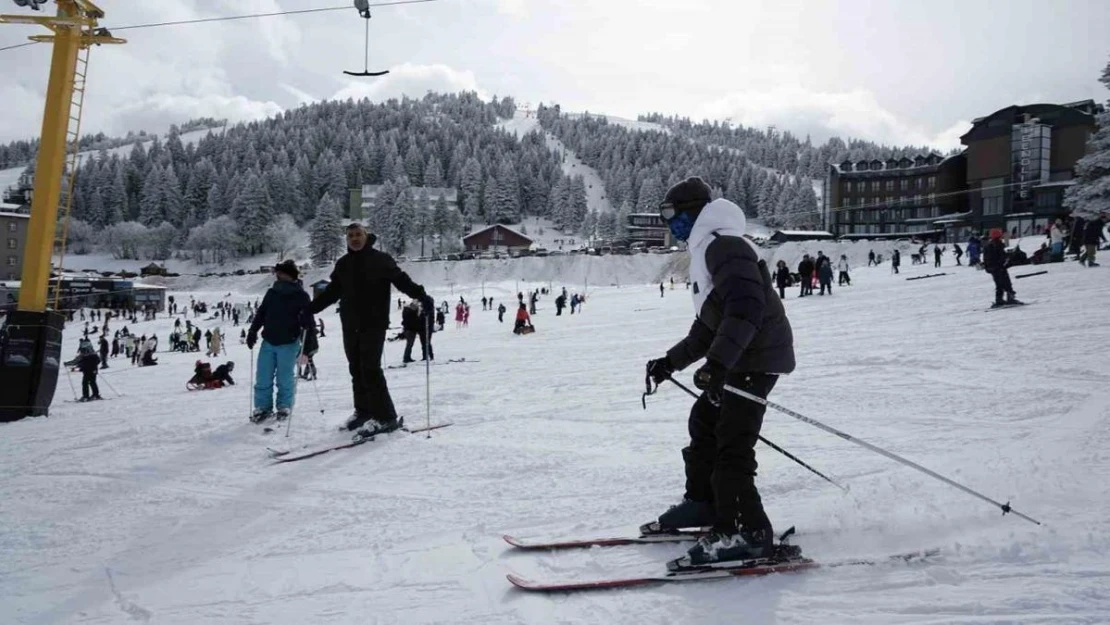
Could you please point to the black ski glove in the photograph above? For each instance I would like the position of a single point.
(711, 379)
(252, 338)
(660, 370)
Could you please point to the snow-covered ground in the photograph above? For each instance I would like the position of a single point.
(160, 505)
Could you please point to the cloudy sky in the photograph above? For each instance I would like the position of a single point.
(894, 71)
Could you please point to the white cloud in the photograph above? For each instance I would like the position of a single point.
(853, 114)
(153, 111)
(411, 80)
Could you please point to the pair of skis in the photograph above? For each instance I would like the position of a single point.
(285, 456)
(788, 560)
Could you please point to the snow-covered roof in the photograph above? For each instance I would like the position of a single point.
(808, 233)
(1056, 183)
(512, 230)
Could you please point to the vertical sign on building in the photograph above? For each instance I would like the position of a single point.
(1031, 148)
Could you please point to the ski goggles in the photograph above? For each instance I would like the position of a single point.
(667, 211)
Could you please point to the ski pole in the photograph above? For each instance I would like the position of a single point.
(1005, 507)
(118, 394)
(296, 361)
(250, 414)
(770, 444)
(428, 374)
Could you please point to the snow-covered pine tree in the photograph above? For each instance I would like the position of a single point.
(252, 211)
(414, 165)
(325, 234)
(433, 173)
(470, 189)
(651, 194)
(150, 206)
(115, 197)
(401, 227)
(1091, 193)
(173, 202)
(489, 202)
(95, 212)
(590, 226)
(440, 217)
(283, 235)
(506, 209)
(622, 219)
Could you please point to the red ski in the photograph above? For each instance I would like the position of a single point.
(281, 457)
(673, 537)
(753, 568)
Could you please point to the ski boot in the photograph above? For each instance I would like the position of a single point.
(354, 422)
(375, 427)
(282, 414)
(687, 514)
(261, 415)
(721, 549)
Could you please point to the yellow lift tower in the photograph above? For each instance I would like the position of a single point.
(31, 341)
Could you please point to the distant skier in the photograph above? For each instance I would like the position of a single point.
(824, 272)
(974, 251)
(283, 317)
(805, 270)
(103, 352)
(740, 328)
(361, 282)
(1093, 236)
(937, 252)
(842, 269)
(660, 289)
(88, 362)
(959, 253)
(500, 313)
(440, 319)
(994, 261)
(895, 260)
(560, 304)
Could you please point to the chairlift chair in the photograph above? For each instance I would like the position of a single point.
(363, 7)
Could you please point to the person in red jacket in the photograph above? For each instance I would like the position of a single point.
(523, 321)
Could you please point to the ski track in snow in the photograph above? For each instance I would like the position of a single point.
(162, 506)
(596, 198)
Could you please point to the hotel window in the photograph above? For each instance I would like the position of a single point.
(992, 205)
(12, 243)
(890, 200)
(11, 261)
(874, 185)
(889, 185)
(932, 182)
(12, 227)
(905, 184)
(918, 183)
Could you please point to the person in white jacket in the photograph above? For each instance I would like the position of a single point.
(1057, 234)
(842, 267)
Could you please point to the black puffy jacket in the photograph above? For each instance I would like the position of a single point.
(994, 255)
(1092, 233)
(283, 314)
(361, 282)
(741, 324)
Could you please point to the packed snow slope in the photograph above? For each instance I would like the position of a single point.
(160, 505)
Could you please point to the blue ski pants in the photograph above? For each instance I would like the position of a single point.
(275, 361)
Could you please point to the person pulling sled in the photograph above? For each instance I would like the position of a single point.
(740, 328)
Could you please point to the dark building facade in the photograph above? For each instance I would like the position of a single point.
(1020, 161)
(895, 198)
(649, 229)
(1012, 175)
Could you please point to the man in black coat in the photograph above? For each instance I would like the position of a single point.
(88, 362)
(361, 282)
(994, 261)
(805, 275)
(741, 330)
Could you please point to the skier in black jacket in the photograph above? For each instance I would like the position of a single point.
(741, 330)
(88, 362)
(1093, 236)
(361, 282)
(994, 261)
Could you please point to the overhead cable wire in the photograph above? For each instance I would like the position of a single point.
(228, 18)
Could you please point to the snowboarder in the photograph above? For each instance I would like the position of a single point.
(361, 283)
(500, 313)
(284, 319)
(88, 362)
(842, 268)
(741, 330)
(994, 261)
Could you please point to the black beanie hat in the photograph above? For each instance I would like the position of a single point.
(289, 268)
(690, 194)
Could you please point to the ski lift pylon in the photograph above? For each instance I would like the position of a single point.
(363, 7)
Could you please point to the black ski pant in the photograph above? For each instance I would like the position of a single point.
(843, 279)
(364, 360)
(826, 284)
(720, 460)
(1002, 284)
(426, 352)
(410, 337)
(782, 292)
(88, 383)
